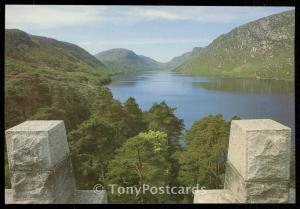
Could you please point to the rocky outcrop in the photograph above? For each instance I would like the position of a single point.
(263, 48)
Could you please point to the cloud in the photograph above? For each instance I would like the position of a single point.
(144, 42)
(41, 16)
(37, 16)
(206, 14)
(156, 14)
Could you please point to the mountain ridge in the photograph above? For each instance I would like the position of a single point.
(32, 55)
(124, 60)
(263, 48)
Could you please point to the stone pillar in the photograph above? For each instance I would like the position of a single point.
(39, 163)
(258, 166)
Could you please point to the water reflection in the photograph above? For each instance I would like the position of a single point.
(197, 97)
(247, 85)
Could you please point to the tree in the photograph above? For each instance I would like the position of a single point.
(110, 110)
(141, 160)
(6, 170)
(203, 159)
(161, 117)
(103, 99)
(68, 104)
(23, 98)
(133, 118)
(92, 145)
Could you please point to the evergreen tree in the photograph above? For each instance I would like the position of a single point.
(103, 99)
(6, 171)
(161, 117)
(92, 145)
(203, 159)
(24, 98)
(142, 160)
(133, 118)
(110, 110)
(69, 105)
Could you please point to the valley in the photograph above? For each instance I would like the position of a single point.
(132, 119)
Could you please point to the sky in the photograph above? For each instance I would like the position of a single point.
(160, 32)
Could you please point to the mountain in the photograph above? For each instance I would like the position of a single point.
(176, 62)
(27, 56)
(124, 60)
(150, 62)
(263, 49)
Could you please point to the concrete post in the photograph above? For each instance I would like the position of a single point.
(39, 163)
(258, 164)
(40, 166)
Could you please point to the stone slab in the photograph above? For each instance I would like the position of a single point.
(260, 149)
(214, 196)
(80, 197)
(292, 196)
(260, 125)
(267, 192)
(90, 197)
(225, 196)
(54, 186)
(235, 183)
(255, 191)
(36, 145)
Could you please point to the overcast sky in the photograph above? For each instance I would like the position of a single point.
(160, 32)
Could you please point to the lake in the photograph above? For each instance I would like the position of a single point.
(196, 97)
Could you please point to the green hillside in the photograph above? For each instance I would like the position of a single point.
(263, 49)
(178, 61)
(126, 61)
(28, 56)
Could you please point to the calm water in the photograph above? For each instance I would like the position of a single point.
(197, 97)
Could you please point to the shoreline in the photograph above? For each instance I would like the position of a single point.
(116, 75)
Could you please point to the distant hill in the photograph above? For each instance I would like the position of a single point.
(124, 60)
(28, 55)
(180, 60)
(151, 62)
(263, 49)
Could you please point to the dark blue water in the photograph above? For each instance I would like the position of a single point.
(197, 97)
